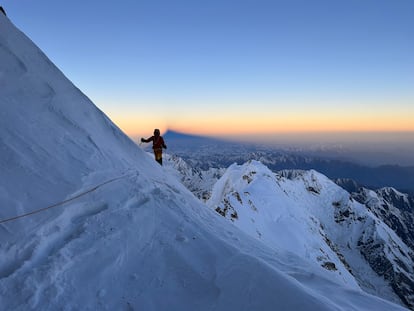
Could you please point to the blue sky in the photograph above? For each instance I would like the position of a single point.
(234, 67)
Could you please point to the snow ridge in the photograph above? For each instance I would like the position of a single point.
(305, 213)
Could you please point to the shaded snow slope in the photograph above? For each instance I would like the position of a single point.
(52, 135)
(396, 209)
(141, 241)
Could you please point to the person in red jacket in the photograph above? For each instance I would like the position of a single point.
(157, 145)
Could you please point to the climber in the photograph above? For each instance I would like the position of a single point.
(157, 145)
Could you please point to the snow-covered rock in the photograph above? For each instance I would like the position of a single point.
(199, 182)
(388, 259)
(305, 213)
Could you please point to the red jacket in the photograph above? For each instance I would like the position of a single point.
(157, 142)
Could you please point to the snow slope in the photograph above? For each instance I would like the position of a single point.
(305, 213)
(52, 135)
(130, 236)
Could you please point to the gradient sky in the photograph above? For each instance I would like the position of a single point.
(234, 67)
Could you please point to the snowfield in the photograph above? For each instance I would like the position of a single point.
(131, 236)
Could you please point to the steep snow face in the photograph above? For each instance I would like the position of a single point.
(52, 135)
(305, 213)
(129, 236)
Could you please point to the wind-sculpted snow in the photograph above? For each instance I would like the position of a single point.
(146, 244)
(123, 233)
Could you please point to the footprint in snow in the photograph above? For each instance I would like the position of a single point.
(181, 238)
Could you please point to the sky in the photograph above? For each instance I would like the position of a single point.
(235, 68)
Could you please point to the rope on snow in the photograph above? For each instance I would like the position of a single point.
(63, 202)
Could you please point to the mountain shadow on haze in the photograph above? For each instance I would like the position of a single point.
(181, 140)
(206, 152)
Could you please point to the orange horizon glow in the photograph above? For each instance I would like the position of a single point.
(275, 121)
(137, 127)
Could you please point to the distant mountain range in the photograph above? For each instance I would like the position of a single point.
(206, 152)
